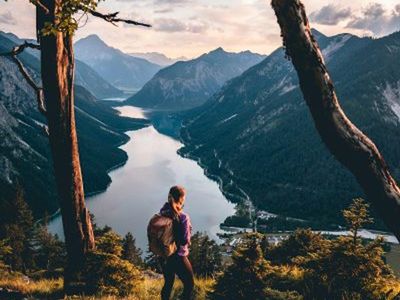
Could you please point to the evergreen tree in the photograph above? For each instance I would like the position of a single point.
(16, 225)
(299, 245)
(110, 242)
(246, 277)
(5, 250)
(357, 216)
(152, 262)
(98, 231)
(130, 252)
(106, 271)
(205, 255)
(351, 268)
(50, 251)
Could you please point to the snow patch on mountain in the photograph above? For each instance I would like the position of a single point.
(7, 170)
(392, 96)
(287, 88)
(227, 119)
(335, 45)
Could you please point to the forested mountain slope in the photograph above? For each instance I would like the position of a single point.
(258, 136)
(25, 157)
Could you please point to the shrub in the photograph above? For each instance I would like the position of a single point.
(248, 276)
(108, 274)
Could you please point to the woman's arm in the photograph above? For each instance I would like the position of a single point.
(186, 228)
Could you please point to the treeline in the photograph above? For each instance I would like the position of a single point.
(309, 266)
(306, 265)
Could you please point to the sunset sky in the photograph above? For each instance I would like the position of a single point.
(190, 28)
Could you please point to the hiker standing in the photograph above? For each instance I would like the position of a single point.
(169, 237)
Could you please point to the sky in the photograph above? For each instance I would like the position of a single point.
(192, 27)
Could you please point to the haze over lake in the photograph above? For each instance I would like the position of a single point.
(140, 187)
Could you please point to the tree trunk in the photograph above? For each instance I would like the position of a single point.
(345, 141)
(57, 68)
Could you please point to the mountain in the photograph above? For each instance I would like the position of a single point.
(257, 134)
(84, 75)
(121, 70)
(190, 83)
(25, 157)
(88, 78)
(158, 58)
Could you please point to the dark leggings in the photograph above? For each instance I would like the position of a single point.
(181, 266)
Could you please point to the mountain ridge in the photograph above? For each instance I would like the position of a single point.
(265, 142)
(120, 69)
(84, 75)
(187, 84)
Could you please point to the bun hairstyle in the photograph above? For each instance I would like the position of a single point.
(175, 193)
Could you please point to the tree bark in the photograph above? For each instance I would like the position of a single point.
(345, 141)
(57, 69)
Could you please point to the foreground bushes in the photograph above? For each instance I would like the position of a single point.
(249, 276)
(306, 265)
(310, 266)
(106, 272)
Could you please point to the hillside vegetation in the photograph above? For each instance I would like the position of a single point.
(305, 265)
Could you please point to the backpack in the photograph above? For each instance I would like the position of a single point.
(161, 235)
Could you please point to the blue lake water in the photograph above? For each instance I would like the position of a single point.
(140, 187)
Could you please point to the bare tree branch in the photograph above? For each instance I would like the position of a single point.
(112, 17)
(41, 5)
(39, 91)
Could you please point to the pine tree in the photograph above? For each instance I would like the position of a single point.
(110, 243)
(106, 271)
(50, 251)
(152, 262)
(16, 225)
(246, 277)
(357, 216)
(5, 250)
(297, 247)
(351, 268)
(130, 252)
(205, 255)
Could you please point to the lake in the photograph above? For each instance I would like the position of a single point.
(140, 187)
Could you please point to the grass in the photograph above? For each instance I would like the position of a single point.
(43, 288)
(393, 259)
(148, 289)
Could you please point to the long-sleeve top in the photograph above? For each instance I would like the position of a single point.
(182, 229)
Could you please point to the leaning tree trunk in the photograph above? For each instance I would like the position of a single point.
(345, 141)
(57, 68)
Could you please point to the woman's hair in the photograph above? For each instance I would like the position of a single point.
(175, 193)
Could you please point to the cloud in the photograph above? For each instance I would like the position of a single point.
(377, 20)
(374, 10)
(173, 25)
(171, 1)
(330, 15)
(163, 11)
(169, 25)
(8, 18)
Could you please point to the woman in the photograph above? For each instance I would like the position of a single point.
(178, 263)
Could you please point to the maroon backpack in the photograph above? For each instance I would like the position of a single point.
(161, 235)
